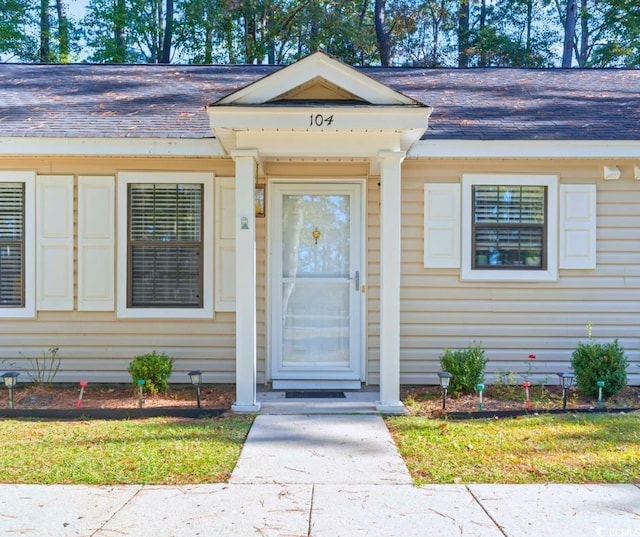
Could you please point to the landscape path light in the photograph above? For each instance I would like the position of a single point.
(445, 378)
(10, 381)
(527, 384)
(140, 388)
(566, 380)
(196, 379)
(480, 388)
(600, 385)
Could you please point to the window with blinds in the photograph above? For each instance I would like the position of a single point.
(12, 196)
(165, 245)
(509, 227)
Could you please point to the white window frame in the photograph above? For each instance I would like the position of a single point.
(203, 178)
(551, 272)
(28, 310)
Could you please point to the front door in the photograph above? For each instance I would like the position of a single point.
(316, 278)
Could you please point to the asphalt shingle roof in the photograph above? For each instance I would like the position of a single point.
(168, 101)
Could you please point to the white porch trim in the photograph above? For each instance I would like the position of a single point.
(246, 174)
(317, 65)
(534, 149)
(111, 147)
(390, 222)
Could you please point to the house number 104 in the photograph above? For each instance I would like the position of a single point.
(318, 120)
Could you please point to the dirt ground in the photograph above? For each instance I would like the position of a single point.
(427, 400)
(116, 396)
(421, 400)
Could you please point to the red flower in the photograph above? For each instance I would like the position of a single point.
(532, 357)
(526, 384)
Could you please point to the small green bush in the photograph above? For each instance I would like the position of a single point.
(154, 368)
(466, 367)
(593, 361)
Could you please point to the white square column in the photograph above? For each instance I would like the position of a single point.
(390, 224)
(246, 173)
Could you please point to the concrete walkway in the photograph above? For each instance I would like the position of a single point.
(320, 475)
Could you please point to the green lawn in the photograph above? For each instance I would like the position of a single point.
(541, 449)
(150, 451)
(558, 449)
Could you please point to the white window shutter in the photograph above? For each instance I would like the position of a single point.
(54, 239)
(225, 243)
(578, 226)
(96, 243)
(442, 225)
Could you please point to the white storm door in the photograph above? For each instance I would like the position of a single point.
(316, 275)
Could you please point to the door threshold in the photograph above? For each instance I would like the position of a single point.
(316, 384)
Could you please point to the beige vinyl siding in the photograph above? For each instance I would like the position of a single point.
(437, 309)
(513, 320)
(96, 346)
(373, 282)
(261, 274)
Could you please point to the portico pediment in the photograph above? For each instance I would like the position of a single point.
(318, 107)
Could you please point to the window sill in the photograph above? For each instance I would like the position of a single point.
(165, 313)
(17, 313)
(509, 275)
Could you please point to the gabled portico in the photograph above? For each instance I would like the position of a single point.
(318, 109)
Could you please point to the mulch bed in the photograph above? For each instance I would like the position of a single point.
(101, 401)
(510, 400)
(122, 401)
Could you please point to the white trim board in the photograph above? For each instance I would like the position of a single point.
(316, 385)
(423, 149)
(113, 147)
(584, 149)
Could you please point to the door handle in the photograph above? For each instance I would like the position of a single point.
(357, 279)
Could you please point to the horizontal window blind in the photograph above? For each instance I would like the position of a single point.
(165, 245)
(500, 204)
(509, 226)
(11, 244)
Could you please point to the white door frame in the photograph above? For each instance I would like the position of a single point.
(269, 324)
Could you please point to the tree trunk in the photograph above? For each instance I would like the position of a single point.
(165, 56)
(250, 36)
(210, 22)
(363, 14)
(45, 32)
(120, 20)
(569, 32)
(158, 30)
(437, 16)
(463, 33)
(584, 34)
(269, 32)
(63, 31)
(382, 35)
(483, 60)
(529, 24)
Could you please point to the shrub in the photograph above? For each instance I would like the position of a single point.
(594, 361)
(154, 368)
(466, 367)
(43, 370)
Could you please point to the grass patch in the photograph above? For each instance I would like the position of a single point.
(151, 451)
(540, 449)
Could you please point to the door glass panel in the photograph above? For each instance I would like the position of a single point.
(315, 239)
(316, 324)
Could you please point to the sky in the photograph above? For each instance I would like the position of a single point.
(76, 8)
